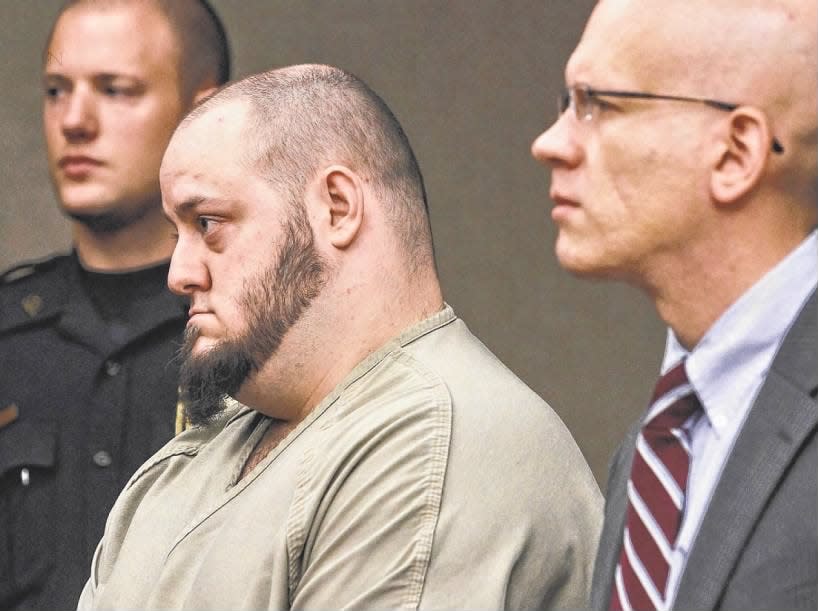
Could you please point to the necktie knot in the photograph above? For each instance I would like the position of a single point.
(677, 399)
(674, 378)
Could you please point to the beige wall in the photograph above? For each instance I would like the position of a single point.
(473, 82)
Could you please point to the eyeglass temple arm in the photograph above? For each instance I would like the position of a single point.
(777, 147)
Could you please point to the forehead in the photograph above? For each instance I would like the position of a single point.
(116, 38)
(208, 148)
(625, 44)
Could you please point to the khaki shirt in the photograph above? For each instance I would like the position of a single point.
(430, 477)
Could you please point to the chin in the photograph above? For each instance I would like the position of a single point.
(203, 345)
(581, 264)
(85, 199)
(580, 270)
(591, 269)
(105, 212)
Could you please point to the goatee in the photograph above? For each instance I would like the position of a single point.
(206, 380)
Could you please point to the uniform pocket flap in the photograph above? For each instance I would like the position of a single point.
(27, 444)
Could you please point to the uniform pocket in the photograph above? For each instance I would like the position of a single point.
(28, 453)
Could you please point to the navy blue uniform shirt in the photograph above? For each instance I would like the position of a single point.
(88, 391)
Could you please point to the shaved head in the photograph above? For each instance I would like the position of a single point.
(725, 45)
(756, 52)
(306, 117)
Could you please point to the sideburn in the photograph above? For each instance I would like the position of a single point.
(273, 301)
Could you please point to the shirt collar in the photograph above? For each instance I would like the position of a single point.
(441, 318)
(728, 365)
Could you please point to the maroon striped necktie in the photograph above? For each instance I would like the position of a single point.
(656, 492)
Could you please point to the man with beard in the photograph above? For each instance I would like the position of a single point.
(684, 161)
(87, 387)
(355, 445)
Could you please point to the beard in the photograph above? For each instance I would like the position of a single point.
(272, 302)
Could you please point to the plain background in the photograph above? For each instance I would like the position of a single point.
(473, 82)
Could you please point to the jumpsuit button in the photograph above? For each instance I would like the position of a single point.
(112, 368)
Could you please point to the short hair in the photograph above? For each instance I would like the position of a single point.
(303, 116)
(204, 48)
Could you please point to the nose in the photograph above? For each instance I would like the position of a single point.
(559, 145)
(79, 120)
(187, 274)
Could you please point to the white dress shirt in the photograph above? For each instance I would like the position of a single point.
(727, 369)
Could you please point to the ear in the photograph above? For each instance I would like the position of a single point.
(746, 146)
(205, 90)
(341, 195)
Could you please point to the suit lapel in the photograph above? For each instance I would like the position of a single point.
(784, 414)
(616, 505)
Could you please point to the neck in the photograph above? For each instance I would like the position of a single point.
(692, 295)
(144, 242)
(347, 323)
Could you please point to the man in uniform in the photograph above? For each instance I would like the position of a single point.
(684, 163)
(383, 458)
(88, 386)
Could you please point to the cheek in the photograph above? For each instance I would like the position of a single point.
(612, 180)
(229, 284)
(624, 173)
(653, 199)
(139, 146)
(51, 131)
(627, 208)
(145, 129)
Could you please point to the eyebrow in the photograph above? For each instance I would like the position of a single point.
(188, 206)
(55, 76)
(183, 208)
(59, 74)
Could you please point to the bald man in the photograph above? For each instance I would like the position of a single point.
(684, 162)
(374, 454)
(88, 380)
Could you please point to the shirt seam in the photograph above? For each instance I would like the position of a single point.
(441, 409)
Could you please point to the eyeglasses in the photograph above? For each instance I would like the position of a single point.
(586, 103)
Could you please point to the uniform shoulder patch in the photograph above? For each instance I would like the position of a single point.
(33, 291)
(29, 268)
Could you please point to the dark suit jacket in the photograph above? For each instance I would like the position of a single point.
(757, 546)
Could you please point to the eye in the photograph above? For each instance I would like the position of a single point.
(114, 91)
(564, 101)
(118, 87)
(52, 92)
(599, 103)
(206, 224)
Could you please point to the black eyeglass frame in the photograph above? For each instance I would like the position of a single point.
(564, 102)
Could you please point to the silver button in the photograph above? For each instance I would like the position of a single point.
(112, 368)
(25, 476)
(102, 459)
